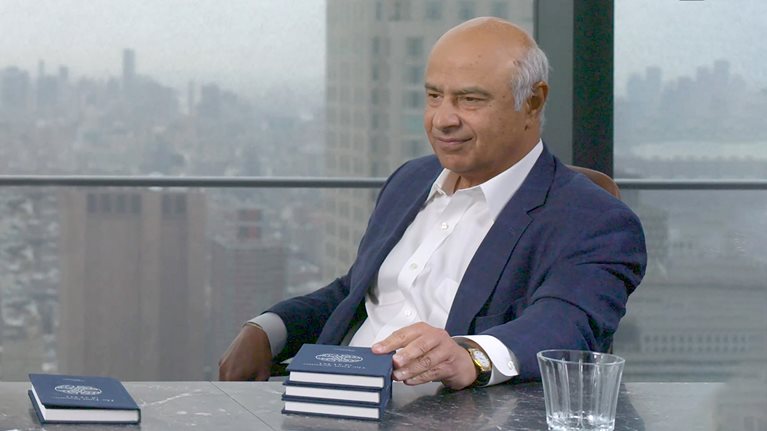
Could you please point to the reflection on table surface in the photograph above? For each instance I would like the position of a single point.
(257, 406)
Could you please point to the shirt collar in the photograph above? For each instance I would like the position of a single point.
(497, 190)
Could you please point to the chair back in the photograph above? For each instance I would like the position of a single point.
(600, 179)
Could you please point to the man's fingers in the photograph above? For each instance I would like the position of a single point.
(431, 375)
(422, 354)
(398, 339)
(428, 354)
(418, 349)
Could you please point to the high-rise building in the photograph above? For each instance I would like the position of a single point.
(14, 89)
(28, 297)
(376, 57)
(248, 275)
(132, 301)
(680, 324)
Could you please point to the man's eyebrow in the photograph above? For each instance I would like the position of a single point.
(472, 90)
(462, 92)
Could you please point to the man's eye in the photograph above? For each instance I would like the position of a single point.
(433, 97)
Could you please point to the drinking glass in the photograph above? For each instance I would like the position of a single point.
(580, 389)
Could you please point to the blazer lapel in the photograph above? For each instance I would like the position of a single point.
(487, 265)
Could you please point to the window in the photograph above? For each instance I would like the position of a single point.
(500, 9)
(105, 203)
(465, 10)
(414, 99)
(135, 204)
(195, 92)
(413, 124)
(180, 204)
(713, 83)
(433, 10)
(418, 147)
(92, 203)
(686, 100)
(120, 205)
(167, 205)
(414, 75)
(400, 10)
(414, 47)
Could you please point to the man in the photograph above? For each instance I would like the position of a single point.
(478, 258)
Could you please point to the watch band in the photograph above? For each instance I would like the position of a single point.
(482, 363)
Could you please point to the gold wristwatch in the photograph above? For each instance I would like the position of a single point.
(482, 363)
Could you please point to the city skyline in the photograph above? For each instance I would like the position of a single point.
(250, 47)
(243, 45)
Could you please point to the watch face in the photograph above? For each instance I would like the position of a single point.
(481, 358)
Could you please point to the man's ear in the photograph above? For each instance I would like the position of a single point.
(537, 100)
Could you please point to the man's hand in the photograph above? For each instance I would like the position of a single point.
(428, 354)
(249, 357)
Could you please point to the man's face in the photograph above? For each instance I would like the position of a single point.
(470, 117)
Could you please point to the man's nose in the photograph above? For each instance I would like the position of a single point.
(445, 117)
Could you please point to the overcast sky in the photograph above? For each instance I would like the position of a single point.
(239, 43)
(249, 45)
(680, 35)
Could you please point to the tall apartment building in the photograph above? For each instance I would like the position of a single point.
(132, 301)
(376, 56)
(248, 275)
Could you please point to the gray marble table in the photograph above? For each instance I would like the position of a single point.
(256, 406)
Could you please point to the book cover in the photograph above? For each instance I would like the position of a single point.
(79, 399)
(341, 365)
(358, 394)
(332, 408)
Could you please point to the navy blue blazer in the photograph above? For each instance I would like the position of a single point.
(554, 271)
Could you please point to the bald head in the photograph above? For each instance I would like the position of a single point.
(499, 42)
(488, 31)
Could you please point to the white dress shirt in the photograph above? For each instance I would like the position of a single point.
(418, 280)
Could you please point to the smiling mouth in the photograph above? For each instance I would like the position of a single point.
(450, 144)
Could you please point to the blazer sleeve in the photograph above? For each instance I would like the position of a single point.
(304, 316)
(583, 293)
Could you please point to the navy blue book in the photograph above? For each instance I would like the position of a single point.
(357, 394)
(82, 399)
(333, 408)
(341, 365)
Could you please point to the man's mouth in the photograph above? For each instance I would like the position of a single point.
(449, 144)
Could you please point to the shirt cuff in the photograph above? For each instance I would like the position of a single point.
(275, 329)
(505, 364)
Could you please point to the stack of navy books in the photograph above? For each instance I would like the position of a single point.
(338, 381)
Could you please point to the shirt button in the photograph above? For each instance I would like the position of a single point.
(413, 265)
(444, 226)
(511, 365)
(408, 313)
